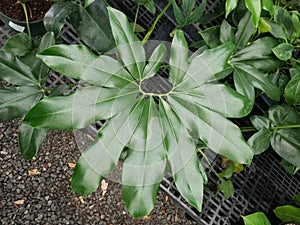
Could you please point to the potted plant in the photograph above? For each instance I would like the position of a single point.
(25, 15)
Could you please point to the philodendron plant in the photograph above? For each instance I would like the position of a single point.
(24, 76)
(153, 132)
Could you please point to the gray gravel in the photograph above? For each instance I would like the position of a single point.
(46, 198)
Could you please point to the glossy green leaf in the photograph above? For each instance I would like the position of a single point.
(288, 213)
(241, 84)
(55, 18)
(129, 48)
(144, 166)
(226, 188)
(80, 63)
(199, 71)
(188, 6)
(80, 109)
(258, 80)
(292, 90)
(182, 157)
(282, 115)
(39, 68)
(100, 158)
(178, 15)
(156, 59)
(260, 122)
(258, 218)
(283, 51)
(258, 54)
(230, 5)
(94, 16)
(18, 45)
(30, 140)
(286, 143)
(268, 6)
(195, 15)
(209, 36)
(277, 30)
(283, 17)
(16, 101)
(219, 98)
(178, 57)
(254, 6)
(13, 71)
(219, 134)
(226, 32)
(149, 5)
(244, 32)
(260, 141)
(263, 26)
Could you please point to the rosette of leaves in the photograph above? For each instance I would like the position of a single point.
(251, 60)
(24, 75)
(154, 131)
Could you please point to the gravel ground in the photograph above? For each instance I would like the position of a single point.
(38, 191)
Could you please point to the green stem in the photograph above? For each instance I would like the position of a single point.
(26, 18)
(211, 167)
(156, 21)
(286, 127)
(247, 129)
(135, 18)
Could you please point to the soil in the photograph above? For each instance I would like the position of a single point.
(36, 9)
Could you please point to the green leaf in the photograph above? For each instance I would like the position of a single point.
(260, 122)
(144, 166)
(13, 71)
(230, 5)
(268, 5)
(277, 30)
(227, 188)
(178, 57)
(80, 109)
(156, 59)
(95, 15)
(79, 62)
(16, 101)
(129, 48)
(292, 90)
(258, 80)
(254, 6)
(149, 5)
(258, 54)
(260, 141)
(209, 35)
(241, 84)
(219, 98)
(30, 140)
(39, 68)
(195, 15)
(182, 156)
(258, 218)
(188, 6)
(199, 71)
(288, 213)
(286, 143)
(283, 51)
(263, 26)
(226, 32)
(282, 115)
(218, 133)
(18, 45)
(244, 32)
(100, 158)
(289, 167)
(282, 16)
(55, 18)
(178, 15)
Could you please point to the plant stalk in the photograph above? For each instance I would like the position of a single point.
(209, 164)
(26, 18)
(156, 21)
(136, 16)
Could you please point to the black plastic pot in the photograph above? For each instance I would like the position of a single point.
(36, 27)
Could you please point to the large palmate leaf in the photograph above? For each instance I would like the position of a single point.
(152, 124)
